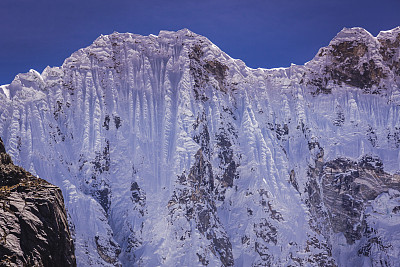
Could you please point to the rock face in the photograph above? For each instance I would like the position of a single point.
(341, 190)
(33, 222)
(169, 152)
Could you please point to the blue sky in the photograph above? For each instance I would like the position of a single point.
(263, 33)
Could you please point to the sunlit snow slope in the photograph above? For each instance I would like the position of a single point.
(169, 152)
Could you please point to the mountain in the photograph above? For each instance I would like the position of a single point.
(169, 152)
(33, 221)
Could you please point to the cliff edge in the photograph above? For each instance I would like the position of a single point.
(33, 222)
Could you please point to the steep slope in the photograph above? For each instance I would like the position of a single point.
(33, 222)
(169, 152)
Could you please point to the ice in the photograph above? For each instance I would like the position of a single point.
(121, 121)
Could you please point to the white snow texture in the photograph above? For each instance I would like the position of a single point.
(171, 153)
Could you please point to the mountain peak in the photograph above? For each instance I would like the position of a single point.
(390, 35)
(357, 34)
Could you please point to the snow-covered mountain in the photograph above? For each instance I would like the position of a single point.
(169, 152)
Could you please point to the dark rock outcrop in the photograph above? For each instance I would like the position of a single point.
(194, 200)
(33, 222)
(345, 56)
(345, 187)
(355, 58)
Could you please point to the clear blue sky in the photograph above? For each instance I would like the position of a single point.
(263, 33)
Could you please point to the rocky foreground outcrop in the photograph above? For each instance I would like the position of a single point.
(33, 222)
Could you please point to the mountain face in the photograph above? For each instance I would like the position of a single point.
(169, 152)
(33, 222)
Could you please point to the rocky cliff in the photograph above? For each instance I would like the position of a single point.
(169, 152)
(33, 223)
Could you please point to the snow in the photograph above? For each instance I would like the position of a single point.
(123, 112)
(5, 90)
(390, 34)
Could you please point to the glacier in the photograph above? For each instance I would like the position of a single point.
(171, 153)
